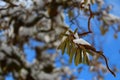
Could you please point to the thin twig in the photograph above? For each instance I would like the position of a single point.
(89, 19)
(106, 61)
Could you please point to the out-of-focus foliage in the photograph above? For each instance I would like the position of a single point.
(43, 21)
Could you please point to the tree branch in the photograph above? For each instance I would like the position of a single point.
(89, 19)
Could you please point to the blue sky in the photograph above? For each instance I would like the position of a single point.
(110, 47)
(109, 44)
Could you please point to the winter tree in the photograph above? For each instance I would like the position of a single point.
(50, 28)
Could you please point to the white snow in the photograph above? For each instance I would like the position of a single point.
(81, 41)
(76, 35)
